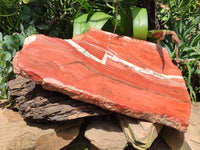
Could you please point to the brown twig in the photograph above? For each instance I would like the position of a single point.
(178, 61)
(161, 35)
(115, 5)
(161, 5)
(176, 40)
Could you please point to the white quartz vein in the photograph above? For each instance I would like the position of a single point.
(124, 62)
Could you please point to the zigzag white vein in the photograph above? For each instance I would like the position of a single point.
(116, 59)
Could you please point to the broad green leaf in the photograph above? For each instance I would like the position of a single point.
(16, 40)
(8, 56)
(10, 44)
(97, 20)
(8, 39)
(79, 26)
(126, 19)
(5, 56)
(140, 23)
(20, 39)
(2, 58)
(9, 68)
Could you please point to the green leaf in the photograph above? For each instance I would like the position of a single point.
(2, 58)
(126, 19)
(8, 56)
(198, 71)
(97, 20)
(43, 27)
(6, 4)
(5, 56)
(140, 23)
(86, 5)
(29, 1)
(26, 13)
(195, 40)
(1, 36)
(16, 40)
(4, 46)
(10, 44)
(79, 26)
(20, 38)
(1, 79)
(8, 39)
(22, 28)
(9, 68)
(188, 31)
(30, 31)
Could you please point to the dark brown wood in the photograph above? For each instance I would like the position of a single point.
(42, 105)
(152, 13)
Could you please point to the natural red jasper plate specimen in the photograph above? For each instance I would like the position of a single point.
(121, 74)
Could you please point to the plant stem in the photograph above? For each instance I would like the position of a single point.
(116, 17)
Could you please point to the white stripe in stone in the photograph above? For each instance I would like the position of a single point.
(116, 59)
(82, 50)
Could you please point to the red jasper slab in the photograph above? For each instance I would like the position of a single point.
(121, 74)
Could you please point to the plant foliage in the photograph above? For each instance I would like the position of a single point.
(97, 20)
(9, 44)
(184, 18)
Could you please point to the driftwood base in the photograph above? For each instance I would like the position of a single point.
(35, 103)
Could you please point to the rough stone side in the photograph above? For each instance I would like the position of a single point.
(139, 133)
(105, 135)
(16, 134)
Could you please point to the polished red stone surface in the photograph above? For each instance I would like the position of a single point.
(121, 74)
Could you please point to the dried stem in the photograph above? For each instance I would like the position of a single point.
(116, 16)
